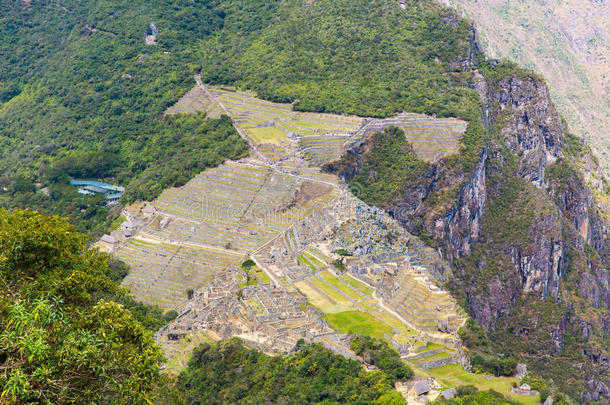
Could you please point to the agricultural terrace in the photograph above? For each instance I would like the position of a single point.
(454, 375)
(349, 306)
(320, 138)
(193, 101)
(161, 272)
(212, 222)
(267, 122)
(423, 305)
(431, 138)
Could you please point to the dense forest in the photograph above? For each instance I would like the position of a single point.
(64, 336)
(82, 95)
(229, 373)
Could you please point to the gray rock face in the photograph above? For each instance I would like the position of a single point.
(540, 269)
(450, 393)
(566, 216)
(520, 370)
(461, 227)
(535, 131)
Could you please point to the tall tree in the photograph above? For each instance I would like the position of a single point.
(58, 342)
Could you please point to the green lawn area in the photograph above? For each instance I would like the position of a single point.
(266, 134)
(430, 347)
(251, 281)
(396, 324)
(331, 279)
(320, 302)
(257, 272)
(297, 130)
(305, 262)
(436, 356)
(250, 123)
(454, 375)
(320, 255)
(358, 322)
(315, 125)
(330, 292)
(359, 285)
(314, 260)
(344, 317)
(261, 275)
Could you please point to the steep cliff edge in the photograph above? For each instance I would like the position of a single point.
(567, 42)
(526, 228)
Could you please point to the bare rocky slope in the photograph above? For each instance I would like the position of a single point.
(527, 231)
(565, 40)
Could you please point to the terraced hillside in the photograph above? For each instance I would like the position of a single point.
(431, 138)
(280, 210)
(277, 213)
(196, 100)
(418, 301)
(268, 122)
(282, 134)
(210, 223)
(162, 272)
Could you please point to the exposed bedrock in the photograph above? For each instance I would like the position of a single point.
(533, 130)
(540, 268)
(550, 241)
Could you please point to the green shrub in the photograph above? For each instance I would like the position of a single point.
(248, 264)
(378, 353)
(228, 373)
(464, 390)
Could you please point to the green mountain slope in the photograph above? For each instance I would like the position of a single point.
(80, 85)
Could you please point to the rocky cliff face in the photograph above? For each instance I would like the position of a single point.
(524, 228)
(566, 41)
(461, 227)
(532, 131)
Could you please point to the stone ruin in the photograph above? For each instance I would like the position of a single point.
(269, 318)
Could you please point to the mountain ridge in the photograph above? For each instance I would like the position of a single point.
(520, 222)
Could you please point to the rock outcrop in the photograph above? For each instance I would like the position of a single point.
(532, 131)
(524, 223)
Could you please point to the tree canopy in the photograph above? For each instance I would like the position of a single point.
(229, 373)
(58, 343)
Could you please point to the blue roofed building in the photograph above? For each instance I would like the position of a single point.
(90, 187)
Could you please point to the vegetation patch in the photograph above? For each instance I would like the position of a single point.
(378, 353)
(228, 373)
(356, 322)
(64, 337)
(266, 134)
